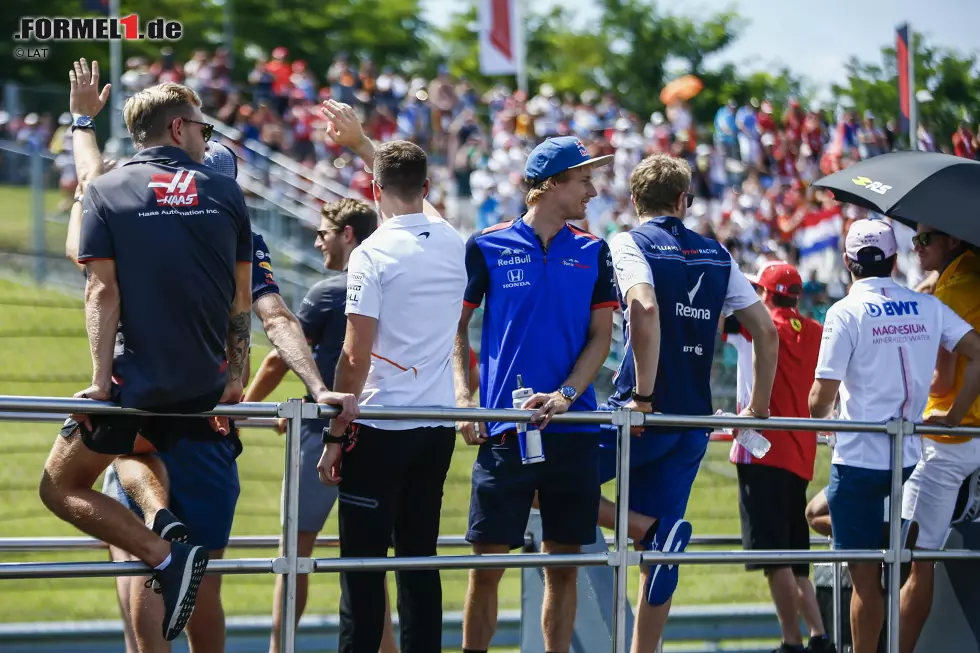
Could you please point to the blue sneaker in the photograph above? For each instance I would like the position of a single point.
(178, 584)
(669, 537)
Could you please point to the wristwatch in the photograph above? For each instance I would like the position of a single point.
(82, 122)
(568, 392)
(643, 399)
(334, 439)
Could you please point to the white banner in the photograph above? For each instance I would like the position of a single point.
(499, 34)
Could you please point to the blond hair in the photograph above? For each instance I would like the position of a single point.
(657, 182)
(149, 113)
(542, 187)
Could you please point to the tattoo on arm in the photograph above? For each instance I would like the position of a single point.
(239, 336)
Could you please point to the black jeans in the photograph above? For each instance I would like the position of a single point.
(391, 493)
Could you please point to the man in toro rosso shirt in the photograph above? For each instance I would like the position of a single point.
(674, 286)
(549, 300)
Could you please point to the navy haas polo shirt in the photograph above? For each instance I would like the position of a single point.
(695, 281)
(539, 305)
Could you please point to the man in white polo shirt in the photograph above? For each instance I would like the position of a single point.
(879, 351)
(405, 287)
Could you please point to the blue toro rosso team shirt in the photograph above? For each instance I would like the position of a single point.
(539, 305)
(695, 282)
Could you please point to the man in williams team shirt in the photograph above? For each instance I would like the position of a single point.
(879, 350)
(772, 489)
(674, 286)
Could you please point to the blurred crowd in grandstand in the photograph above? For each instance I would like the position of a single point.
(752, 167)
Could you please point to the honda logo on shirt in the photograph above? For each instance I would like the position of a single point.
(176, 189)
(515, 276)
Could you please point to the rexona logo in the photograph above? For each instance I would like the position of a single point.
(513, 257)
(892, 309)
(177, 189)
(683, 310)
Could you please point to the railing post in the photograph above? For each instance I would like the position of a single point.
(39, 248)
(293, 412)
(897, 431)
(837, 599)
(622, 419)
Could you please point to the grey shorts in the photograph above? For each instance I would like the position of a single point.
(316, 500)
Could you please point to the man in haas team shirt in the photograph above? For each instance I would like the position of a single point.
(772, 489)
(197, 479)
(674, 286)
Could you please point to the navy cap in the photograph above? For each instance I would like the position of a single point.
(557, 155)
(221, 159)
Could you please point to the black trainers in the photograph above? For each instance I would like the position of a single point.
(178, 584)
(166, 525)
(786, 648)
(821, 645)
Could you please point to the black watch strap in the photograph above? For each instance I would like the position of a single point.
(646, 399)
(333, 439)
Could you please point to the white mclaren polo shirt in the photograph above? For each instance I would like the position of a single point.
(409, 275)
(881, 342)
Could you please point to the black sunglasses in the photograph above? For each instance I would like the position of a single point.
(690, 199)
(207, 129)
(923, 239)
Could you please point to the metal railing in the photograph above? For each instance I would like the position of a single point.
(620, 558)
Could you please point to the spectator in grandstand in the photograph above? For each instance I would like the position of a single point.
(548, 318)
(930, 494)
(667, 367)
(404, 294)
(879, 351)
(344, 225)
(772, 489)
(202, 476)
(174, 361)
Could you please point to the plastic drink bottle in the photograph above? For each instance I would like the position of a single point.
(753, 441)
(528, 436)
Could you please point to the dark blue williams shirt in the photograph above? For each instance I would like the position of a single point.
(691, 276)
(176, 230)
(538, 310)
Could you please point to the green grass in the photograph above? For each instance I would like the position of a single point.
(43, 352)
(16, 227)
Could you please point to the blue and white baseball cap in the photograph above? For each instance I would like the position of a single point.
(557, 155)
(221, 159)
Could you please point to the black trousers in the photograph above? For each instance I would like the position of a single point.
(391, 493)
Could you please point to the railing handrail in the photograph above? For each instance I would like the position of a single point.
(16, 403)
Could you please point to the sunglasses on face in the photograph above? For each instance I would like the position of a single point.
(925, 238)
(690, 199)
(207, 129)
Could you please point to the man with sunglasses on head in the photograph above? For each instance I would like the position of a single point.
(931, 492)
(674, 286)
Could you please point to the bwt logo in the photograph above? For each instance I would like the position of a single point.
(683, 310)
(891, 309)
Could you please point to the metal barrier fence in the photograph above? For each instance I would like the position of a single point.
(620, 558)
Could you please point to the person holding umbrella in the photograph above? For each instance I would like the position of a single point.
(931, 493)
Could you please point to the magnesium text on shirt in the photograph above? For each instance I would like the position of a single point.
(61, 28)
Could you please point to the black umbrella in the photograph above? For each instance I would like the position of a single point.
(938, 190)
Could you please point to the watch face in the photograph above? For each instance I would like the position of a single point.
(83, 121)
(568, 391)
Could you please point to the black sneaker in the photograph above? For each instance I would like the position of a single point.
(821, 645)
(786, 648)
(166, 525)
(178, 584)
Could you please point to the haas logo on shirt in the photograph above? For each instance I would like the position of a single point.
(174, 189)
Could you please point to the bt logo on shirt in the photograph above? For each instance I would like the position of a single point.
(891, 309)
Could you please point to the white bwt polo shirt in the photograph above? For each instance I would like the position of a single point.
(881, 342)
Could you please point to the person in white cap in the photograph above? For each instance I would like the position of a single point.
(879, 352)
